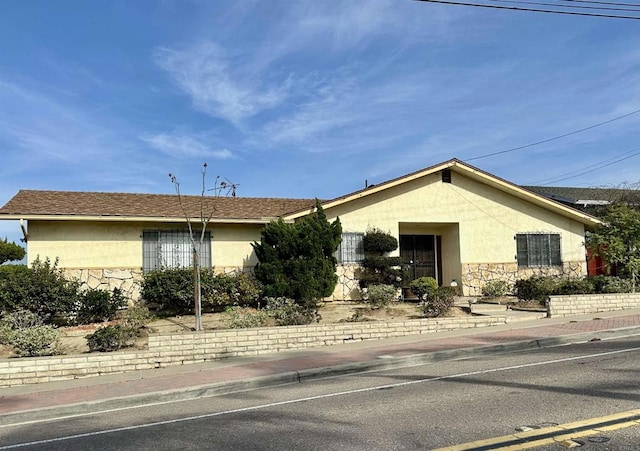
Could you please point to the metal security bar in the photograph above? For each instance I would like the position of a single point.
(351, 249)
(172, 249)
(538, 249)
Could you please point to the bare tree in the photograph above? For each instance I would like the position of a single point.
(196, 237)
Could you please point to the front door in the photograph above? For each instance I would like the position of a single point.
(420, 255)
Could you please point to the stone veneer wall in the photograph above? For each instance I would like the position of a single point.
(581, 304)
(126, 280)
(347, 288)
(476, 275)
(195, 347)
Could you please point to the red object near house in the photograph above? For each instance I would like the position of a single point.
(596, 266)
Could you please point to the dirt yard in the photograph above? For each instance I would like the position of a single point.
(73, 338)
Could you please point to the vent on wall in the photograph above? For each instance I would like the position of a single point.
(446, 176)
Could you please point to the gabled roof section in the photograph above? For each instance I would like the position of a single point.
(70, 205)
(472, 172)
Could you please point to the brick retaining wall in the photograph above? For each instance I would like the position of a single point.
(580, 304)
(194, 347)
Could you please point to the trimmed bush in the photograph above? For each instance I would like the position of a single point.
(535, 288)
(379, 242)
(111, 338)
(495, 289)
(379, 296)
(438, 302)
(99, 305)
(135, 316)
(378, 269)
(424, 287)
(170, 291)
(237, 317)
(285, 312)
(611, 284)
(35, 341)
(41, 289)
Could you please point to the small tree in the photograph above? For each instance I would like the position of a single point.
(376, 267)
(296, 260)
(197, 239)
(10, 252)
(618, 240)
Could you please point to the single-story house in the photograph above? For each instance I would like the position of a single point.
(454, 222)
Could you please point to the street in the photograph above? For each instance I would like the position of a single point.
(424, 407)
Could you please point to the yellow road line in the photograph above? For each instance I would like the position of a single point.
(553, 434)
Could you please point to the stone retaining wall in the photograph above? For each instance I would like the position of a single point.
(580, 304)
(194, 347)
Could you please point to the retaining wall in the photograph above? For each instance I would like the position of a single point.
(194, 347)
(580, 304)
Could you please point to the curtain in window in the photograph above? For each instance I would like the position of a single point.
(350, 249)
(538, 249)
(172, 249)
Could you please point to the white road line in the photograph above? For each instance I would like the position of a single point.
(312, 398)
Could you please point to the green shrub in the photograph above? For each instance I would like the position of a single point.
(111, 338)
(379, 296)
(224, 290)
(171, 290)
(536, 288)
(135, 316)
(99, 305)
(495, 289)
(237, 317)
(574, 286)
(6, 333)
(35, 341)
(611, 284)
(21, 319)
(376, 268)
(41, 289)
(296, 260)
(285, 312)
(437, 302)
(379, 242)
(424, 287)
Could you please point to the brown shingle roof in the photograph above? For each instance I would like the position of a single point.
(69, 203)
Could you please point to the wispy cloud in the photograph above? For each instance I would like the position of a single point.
(218, 85)
(183, 145)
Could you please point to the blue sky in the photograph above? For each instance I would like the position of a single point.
(306, 98)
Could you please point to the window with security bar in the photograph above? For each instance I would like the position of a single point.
(172, 249)
(351, 249)
(538, 249)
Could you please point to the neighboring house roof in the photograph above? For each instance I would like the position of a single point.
(587, 196)
(32, 204)
(472, 172)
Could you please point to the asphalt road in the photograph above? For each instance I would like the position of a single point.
(424, 407)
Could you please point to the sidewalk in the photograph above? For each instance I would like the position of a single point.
(80, 396)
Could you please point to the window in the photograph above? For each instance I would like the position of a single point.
(538, 249)
(172, 249)
(350, 249)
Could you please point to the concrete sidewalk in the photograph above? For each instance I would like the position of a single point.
(81, 396)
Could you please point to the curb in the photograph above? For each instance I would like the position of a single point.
(289, 377)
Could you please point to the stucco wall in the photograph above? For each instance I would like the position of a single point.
(477, 222)
(118, 245)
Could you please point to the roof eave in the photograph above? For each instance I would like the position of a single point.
(88, 218)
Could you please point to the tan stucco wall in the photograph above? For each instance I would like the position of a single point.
(477, 222)
(119, 244)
